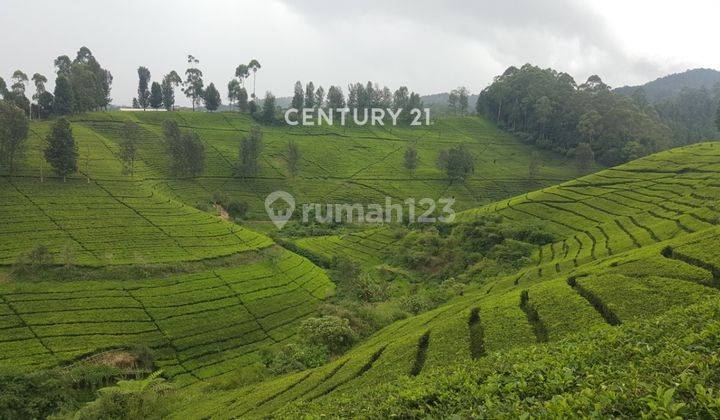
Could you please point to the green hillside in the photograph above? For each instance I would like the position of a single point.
(199, 325)
(143, 261)
(638, 241)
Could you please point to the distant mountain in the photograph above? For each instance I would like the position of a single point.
(666, 87)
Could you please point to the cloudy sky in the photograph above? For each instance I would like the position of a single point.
(431, 46)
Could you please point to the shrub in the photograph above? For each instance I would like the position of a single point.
(330, 331)
(369, 288)
(294, 357)
(237, 209)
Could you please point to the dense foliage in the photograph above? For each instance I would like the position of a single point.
(551, 110)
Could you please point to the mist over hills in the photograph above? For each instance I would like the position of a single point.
(668, 86)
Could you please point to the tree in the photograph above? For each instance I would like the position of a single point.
(319, 97)
(3, 88)
(453, 100)
(128, 147)
(156, 96)
(717, 118)
(543, 112)
(135, 104)
(242, 100)
(169, 83)
(186, 150)
(293, 157)
(63, 65)
(46, 103)
(298, 99)
(143, 92)
(193, 85)
(310, 95)
(462, 100)
(242, 72)
(39, 80)
(335, 98)
(250, 148)
(62, 152)
(589, 126)
(254, 65)
(13, 133)
(64, 102)
(268, 108)
(457, 163)
(411, 159)
(212, 98)
(233, 91)
(584, 158)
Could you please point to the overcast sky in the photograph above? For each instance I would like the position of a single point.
(431, 46)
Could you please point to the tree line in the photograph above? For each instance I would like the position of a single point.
(81, 85)
(549, 109)
(360, 96)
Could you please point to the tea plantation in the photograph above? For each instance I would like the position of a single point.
(571, 333)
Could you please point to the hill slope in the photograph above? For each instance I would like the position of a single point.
(638, 240)
(666, 87)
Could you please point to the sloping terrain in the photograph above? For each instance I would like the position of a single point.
(339, 164)
(639, 240)
(199, 325)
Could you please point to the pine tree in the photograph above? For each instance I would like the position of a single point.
(62, 152)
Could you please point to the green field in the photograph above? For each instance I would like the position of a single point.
(633, 243)
(639, 240)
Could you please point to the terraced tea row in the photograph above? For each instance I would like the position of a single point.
(630, 286)
(199, 325)
(339, 164)
(111, 222)
(631, 206)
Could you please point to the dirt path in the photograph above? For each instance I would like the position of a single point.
(222, 213)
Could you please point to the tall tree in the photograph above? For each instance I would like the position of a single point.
(457, 163)
(249, 157)
(335, 98)
(186, 150)
(310, 95)
(128, 147)
(254, 65)
(3, 88)
(62, 65)
(298, 100)
(242, 100)
(39, 80)
(143, 83)
(212, 98)
(193, 85)
(64, 102)
(268, 108)
(61, 151)
(411, 159)
(233, 91)
(156, 96)
(169, 83)
(462, 100)
(319, 97)
(242, 72)
(293, 158)
(13, 132)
